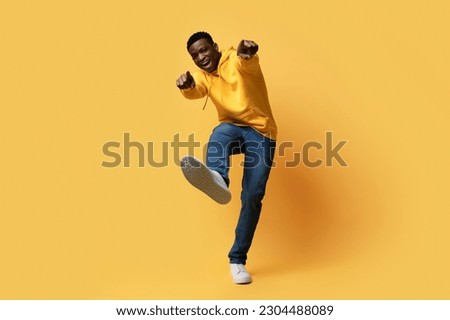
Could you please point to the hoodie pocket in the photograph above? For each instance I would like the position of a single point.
(253, 118)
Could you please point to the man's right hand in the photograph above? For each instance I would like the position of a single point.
(186, 81)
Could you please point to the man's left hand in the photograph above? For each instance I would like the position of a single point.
(247, 49)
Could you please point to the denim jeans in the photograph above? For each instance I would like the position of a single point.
(228, 139)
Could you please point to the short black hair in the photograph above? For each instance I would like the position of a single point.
(197, 36)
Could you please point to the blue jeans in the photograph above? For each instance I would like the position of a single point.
(228, 139)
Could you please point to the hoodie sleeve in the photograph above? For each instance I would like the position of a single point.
(199, 91)
(249, 65)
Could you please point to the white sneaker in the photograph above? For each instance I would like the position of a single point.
(206, 180)
(240, 274)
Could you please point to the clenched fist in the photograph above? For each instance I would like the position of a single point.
(247, 49)
(186, 81)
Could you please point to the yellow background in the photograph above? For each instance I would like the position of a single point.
(76, 74)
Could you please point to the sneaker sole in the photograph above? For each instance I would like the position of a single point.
(243, 281)
(201, 177)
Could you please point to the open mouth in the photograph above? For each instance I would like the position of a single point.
(205, 63)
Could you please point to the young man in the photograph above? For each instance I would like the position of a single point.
(233, 80)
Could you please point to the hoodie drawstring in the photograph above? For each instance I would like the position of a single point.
(207, 96)
(206, 101)
(209, 90)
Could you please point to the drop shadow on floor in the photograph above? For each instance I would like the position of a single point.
(309, 221)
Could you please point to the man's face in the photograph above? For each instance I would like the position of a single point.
(205, 55)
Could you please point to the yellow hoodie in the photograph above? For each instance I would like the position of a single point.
(238, 91)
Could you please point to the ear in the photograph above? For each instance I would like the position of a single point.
(216, 46)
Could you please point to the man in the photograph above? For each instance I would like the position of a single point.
(233, 80)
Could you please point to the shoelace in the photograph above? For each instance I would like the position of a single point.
(240, 268)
